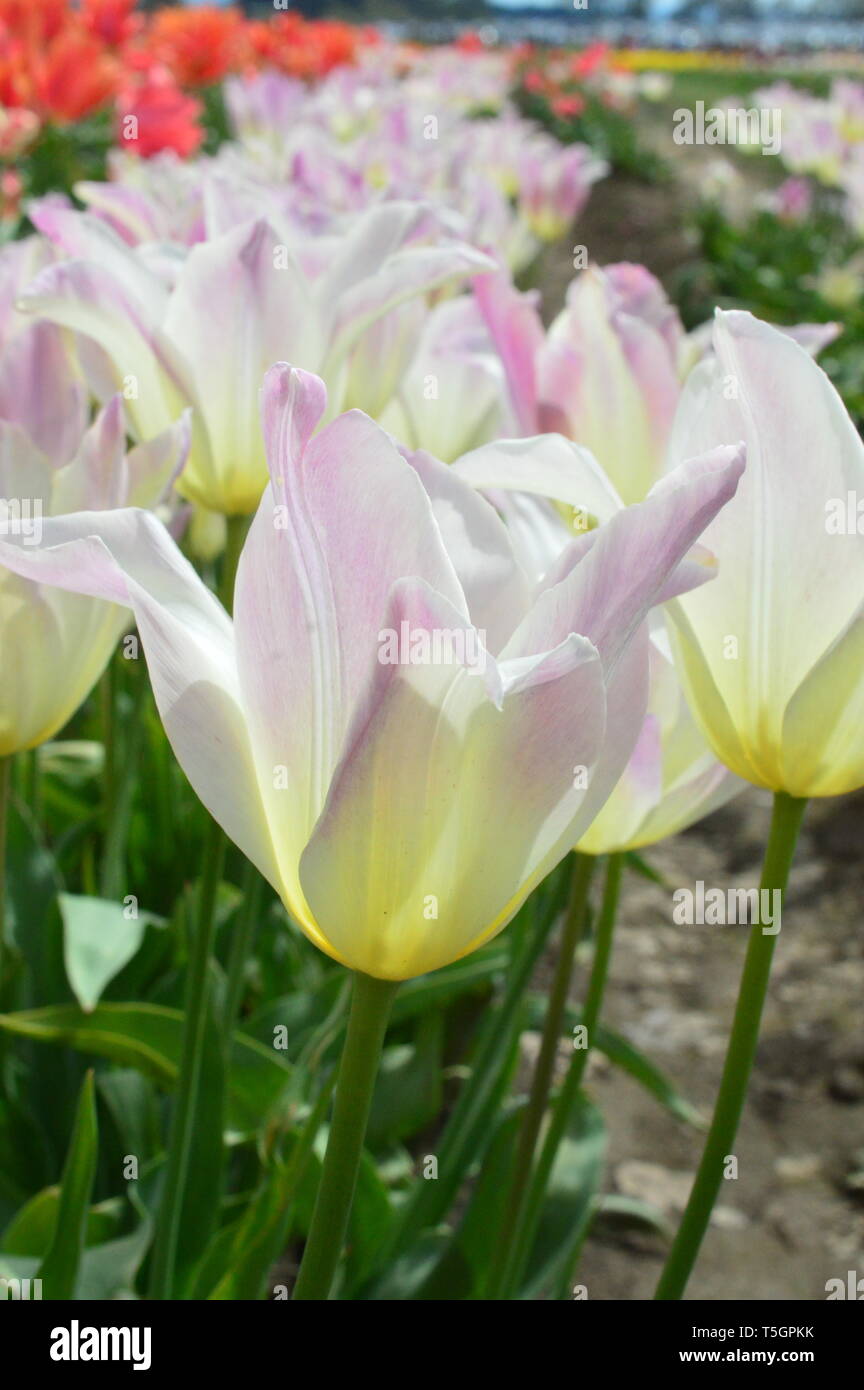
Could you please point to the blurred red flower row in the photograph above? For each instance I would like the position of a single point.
(61, 61)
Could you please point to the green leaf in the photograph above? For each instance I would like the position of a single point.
(471, 1123)
(615, 1210)
(465, 1259)
(640, 865)
(32, 1229)
(98, 940)
(408, 1276)
(108, 1271)
(408, 1090)
(149, 1037)
(569, 1204)
(59, 1268)
(132, 1102)
(371, 1215)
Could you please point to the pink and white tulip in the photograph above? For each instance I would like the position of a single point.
(237, 303)
(404, 808)
(771, 653)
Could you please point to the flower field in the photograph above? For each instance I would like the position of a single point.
(431, 684)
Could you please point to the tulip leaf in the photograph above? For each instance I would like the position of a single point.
(569, 1202)
(460, 1271)
(149, 1037)
(132, 1103)
(59, 1269)
(408, 1089)
(32, 1229)
(99, 938)
(199, 1194)
(108, 1271)
(616, 1210)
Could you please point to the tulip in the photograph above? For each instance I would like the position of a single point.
(312, 744)
(554, 185)
(609, 371)
(238, 301)
(56, 645)
(770, 653)
(771, 657)
(452, 396)
(546, 489)
(389, 728)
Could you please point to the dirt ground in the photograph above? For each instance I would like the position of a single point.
(794, 1217)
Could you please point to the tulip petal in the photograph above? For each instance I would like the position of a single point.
(627, 562)
(830, 699)
(128, 558)
(438, 803)
(240, 304)
(88, 299)
(787, 586)
(345, 517)
(495, 586)
(40, 390)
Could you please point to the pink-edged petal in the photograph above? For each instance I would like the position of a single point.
(517, 332)
(240, 304)
(437, 811)
(787, 583)
(128, 558)
(344, 518)
(547, 465)
(379, 266)
(83, 237)
(628, 561)
(40, 390)
(88, 299)
(496, 588)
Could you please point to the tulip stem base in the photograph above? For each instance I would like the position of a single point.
(367, 1024)
(743, 1039)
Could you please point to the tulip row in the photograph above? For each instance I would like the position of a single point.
(278, 407)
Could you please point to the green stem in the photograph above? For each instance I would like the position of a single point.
(5, 781)
(785, 825)
(234, 542)
(538, 1099)
(367, 1024)
(563, 1108)
(196, 1012)
(107, 698)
